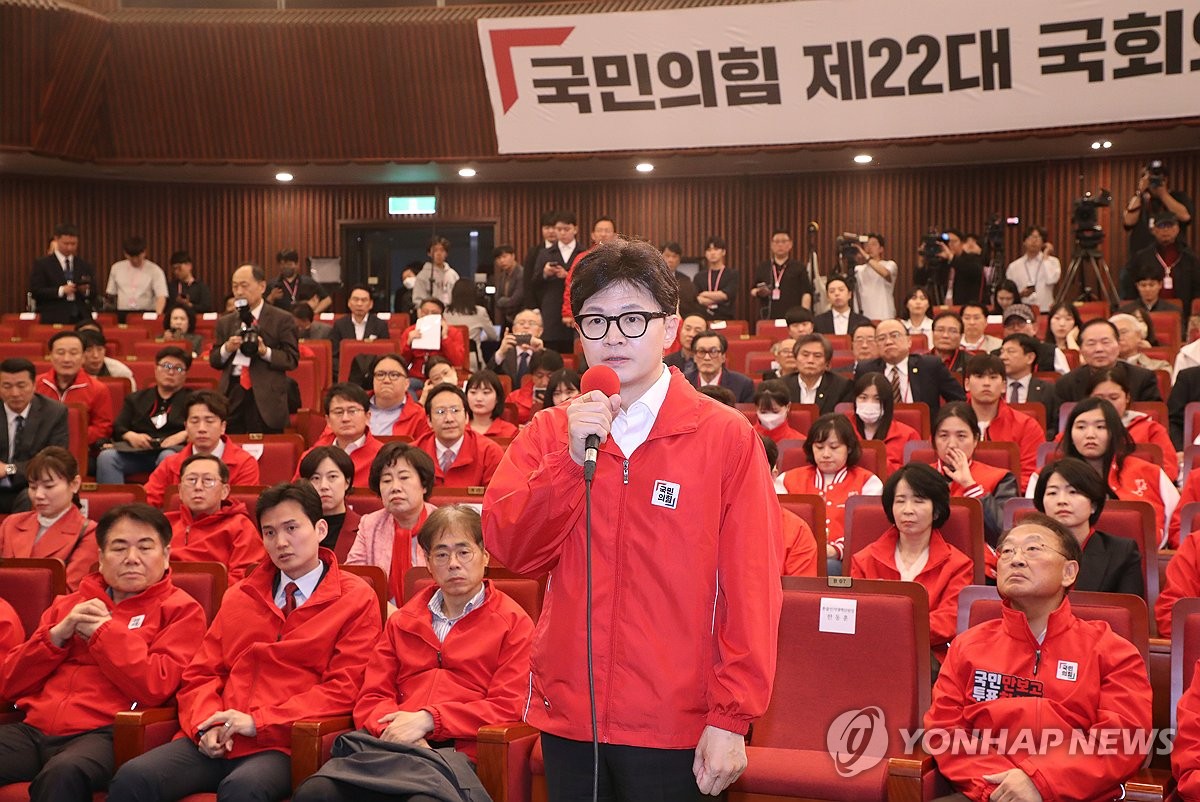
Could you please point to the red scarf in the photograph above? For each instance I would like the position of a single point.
(401, 556)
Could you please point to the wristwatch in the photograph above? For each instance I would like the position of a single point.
(10, 470)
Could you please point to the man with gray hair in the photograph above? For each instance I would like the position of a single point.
(1131, 335)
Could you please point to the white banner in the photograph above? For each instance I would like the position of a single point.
(835, 70)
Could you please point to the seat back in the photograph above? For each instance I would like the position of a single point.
(206, 582)
(916, 416)
(999, 455)
(826, 636)
(1035, 411)
(523, 590)
(353, 348)
(30, 585)
(377, 579)
(77, 438)
(363, 501)
(1127, 614)
(99, 499)
(277, 454)
(866, 522)
(810, 507)
(1185, 647)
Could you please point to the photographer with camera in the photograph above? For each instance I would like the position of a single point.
(1037, 270)
(259, 345)
(781, 282)
(964, 256)
(876, 278)
(1152, 198)
(1169, 258)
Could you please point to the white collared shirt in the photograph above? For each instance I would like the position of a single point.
(808, 395)
(567, 252)
(632, 426)
(360, 329)
(305, 586)
(441, 624)
(901, 370)
(350, 448)
(456, 447)
(841, 321)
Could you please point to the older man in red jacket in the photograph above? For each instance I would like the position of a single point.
(291, 641)
(1038, 682)
(119, 643)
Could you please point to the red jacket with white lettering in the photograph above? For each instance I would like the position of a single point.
(1083, 678)
(280, 670)
(243, 470)
(946, 573)
(88, 391)
(855, 481)
(473, 466)
(687, 562)
(227, 536)
(134, 660)
(479, 675)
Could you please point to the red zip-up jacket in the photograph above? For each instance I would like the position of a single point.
(454, 348)
(227, 536)
(474, 464)
(1182, 582)
(72, 539)
(1081, 678)
(243, 470)
(1011, 426)
(281, 670)
(361, 457)
(134, 660)
(686, 587)
(12, 631)
(479, 675)
(87, 391)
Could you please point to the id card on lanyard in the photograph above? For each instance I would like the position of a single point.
(778, 276)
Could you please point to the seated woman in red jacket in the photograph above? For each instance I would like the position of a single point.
(874, 406)
(55, 527)
(916, 501)
(833, 473)
(291, 642)
(1112, 384)
(955, 436)
(331, 473)
(454, 658)
(485, 397)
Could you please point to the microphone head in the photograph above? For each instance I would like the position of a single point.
(602, 378)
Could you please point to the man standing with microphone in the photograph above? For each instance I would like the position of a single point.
(684, 560)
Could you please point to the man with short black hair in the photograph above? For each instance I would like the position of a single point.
(800, 321)
(1036, 272)
(208, 526)
(1180, 264)
(814, 383)
(307, 328)
(876, 276)
(509, 280)
(709, 348)
(998, 422)
(62, 284)
(462, 457)
(781, 282)
(184, 289)
(1019, 319)
(548, 240)
(603, 230)
(32, 422)
(290, 642)
(964, 263)
(841, 318)
(347, 426)
(915, 379)
(672, 253)
(975, 337)
(68, 382)
(135, 283)
(1099, 347)
(1149, 282)
(360, 324)
(292, 286)
(96, 360)
(151, 425)
(947, 331)
(716, 283)
(1019, 353)
(120, 642)
(547, 286)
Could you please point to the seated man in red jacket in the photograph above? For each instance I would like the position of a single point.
(68, 382)
(208, 526)
(454, 658)
(207, 411)
(1040, 678)
(453, 346)
(347, 416)
(462, 457)
(291, 642)
(120, 642)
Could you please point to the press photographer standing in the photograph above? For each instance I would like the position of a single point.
(1153, 197)
(259, 346)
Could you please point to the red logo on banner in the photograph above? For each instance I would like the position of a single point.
(502, 44)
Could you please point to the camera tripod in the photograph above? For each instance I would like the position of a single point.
(1081, 260)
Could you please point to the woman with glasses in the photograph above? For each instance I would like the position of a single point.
(874, 408)
(392, 408)
(55, 527)
(1094, 434)
(1071, 492)
(916, 501)
(402, 477)
(955, 438)
(485, 397)
(562, 387)
(331, 473)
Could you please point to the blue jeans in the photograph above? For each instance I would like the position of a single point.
(113, 465)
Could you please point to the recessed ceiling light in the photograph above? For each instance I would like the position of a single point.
(467, 172)
(645, 167)
(863, 158)
(1095, 146)
(284, 177)
(1107, 144)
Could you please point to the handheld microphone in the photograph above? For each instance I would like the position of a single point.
(604, 379)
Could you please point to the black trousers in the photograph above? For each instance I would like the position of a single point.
(633, 773)
(174, 770)
(323, 789)
(59, 768)
(244, 417)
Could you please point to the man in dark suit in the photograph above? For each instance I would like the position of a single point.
(32, 422)
(1099, 348)
(63, 284)
(916, 379)
(257, 402)
(360, 324)
(709, 348)
(549, 239)
(1185, 390)
(815, 383)
(840, 319)
(1019, 353)
(1019, 319)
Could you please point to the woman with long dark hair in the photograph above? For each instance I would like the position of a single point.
(955, 436)
(874, 408)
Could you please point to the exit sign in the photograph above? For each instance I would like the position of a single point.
(414, 204)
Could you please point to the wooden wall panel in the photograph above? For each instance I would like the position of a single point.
(222, 225)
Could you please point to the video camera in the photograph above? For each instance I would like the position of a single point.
(1156, 172)
(931, 244)
(848, 244)
(1085, 217)
(248, 331)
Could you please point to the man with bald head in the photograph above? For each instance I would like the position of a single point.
(258, 345)
(685, 357)
(915, 378)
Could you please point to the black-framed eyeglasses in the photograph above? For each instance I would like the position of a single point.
(631, 324)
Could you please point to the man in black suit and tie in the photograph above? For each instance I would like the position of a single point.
(256, 383)
(1185, 390)
(815, 383)
(1099, 347)
(360, 324)
(32, 422)
(840, 319)
(915, 379)
(709, 348)
(515, 354)
(62, 284)
(1019, 353)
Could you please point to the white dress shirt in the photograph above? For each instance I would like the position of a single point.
(305, 586)
(632, 426)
